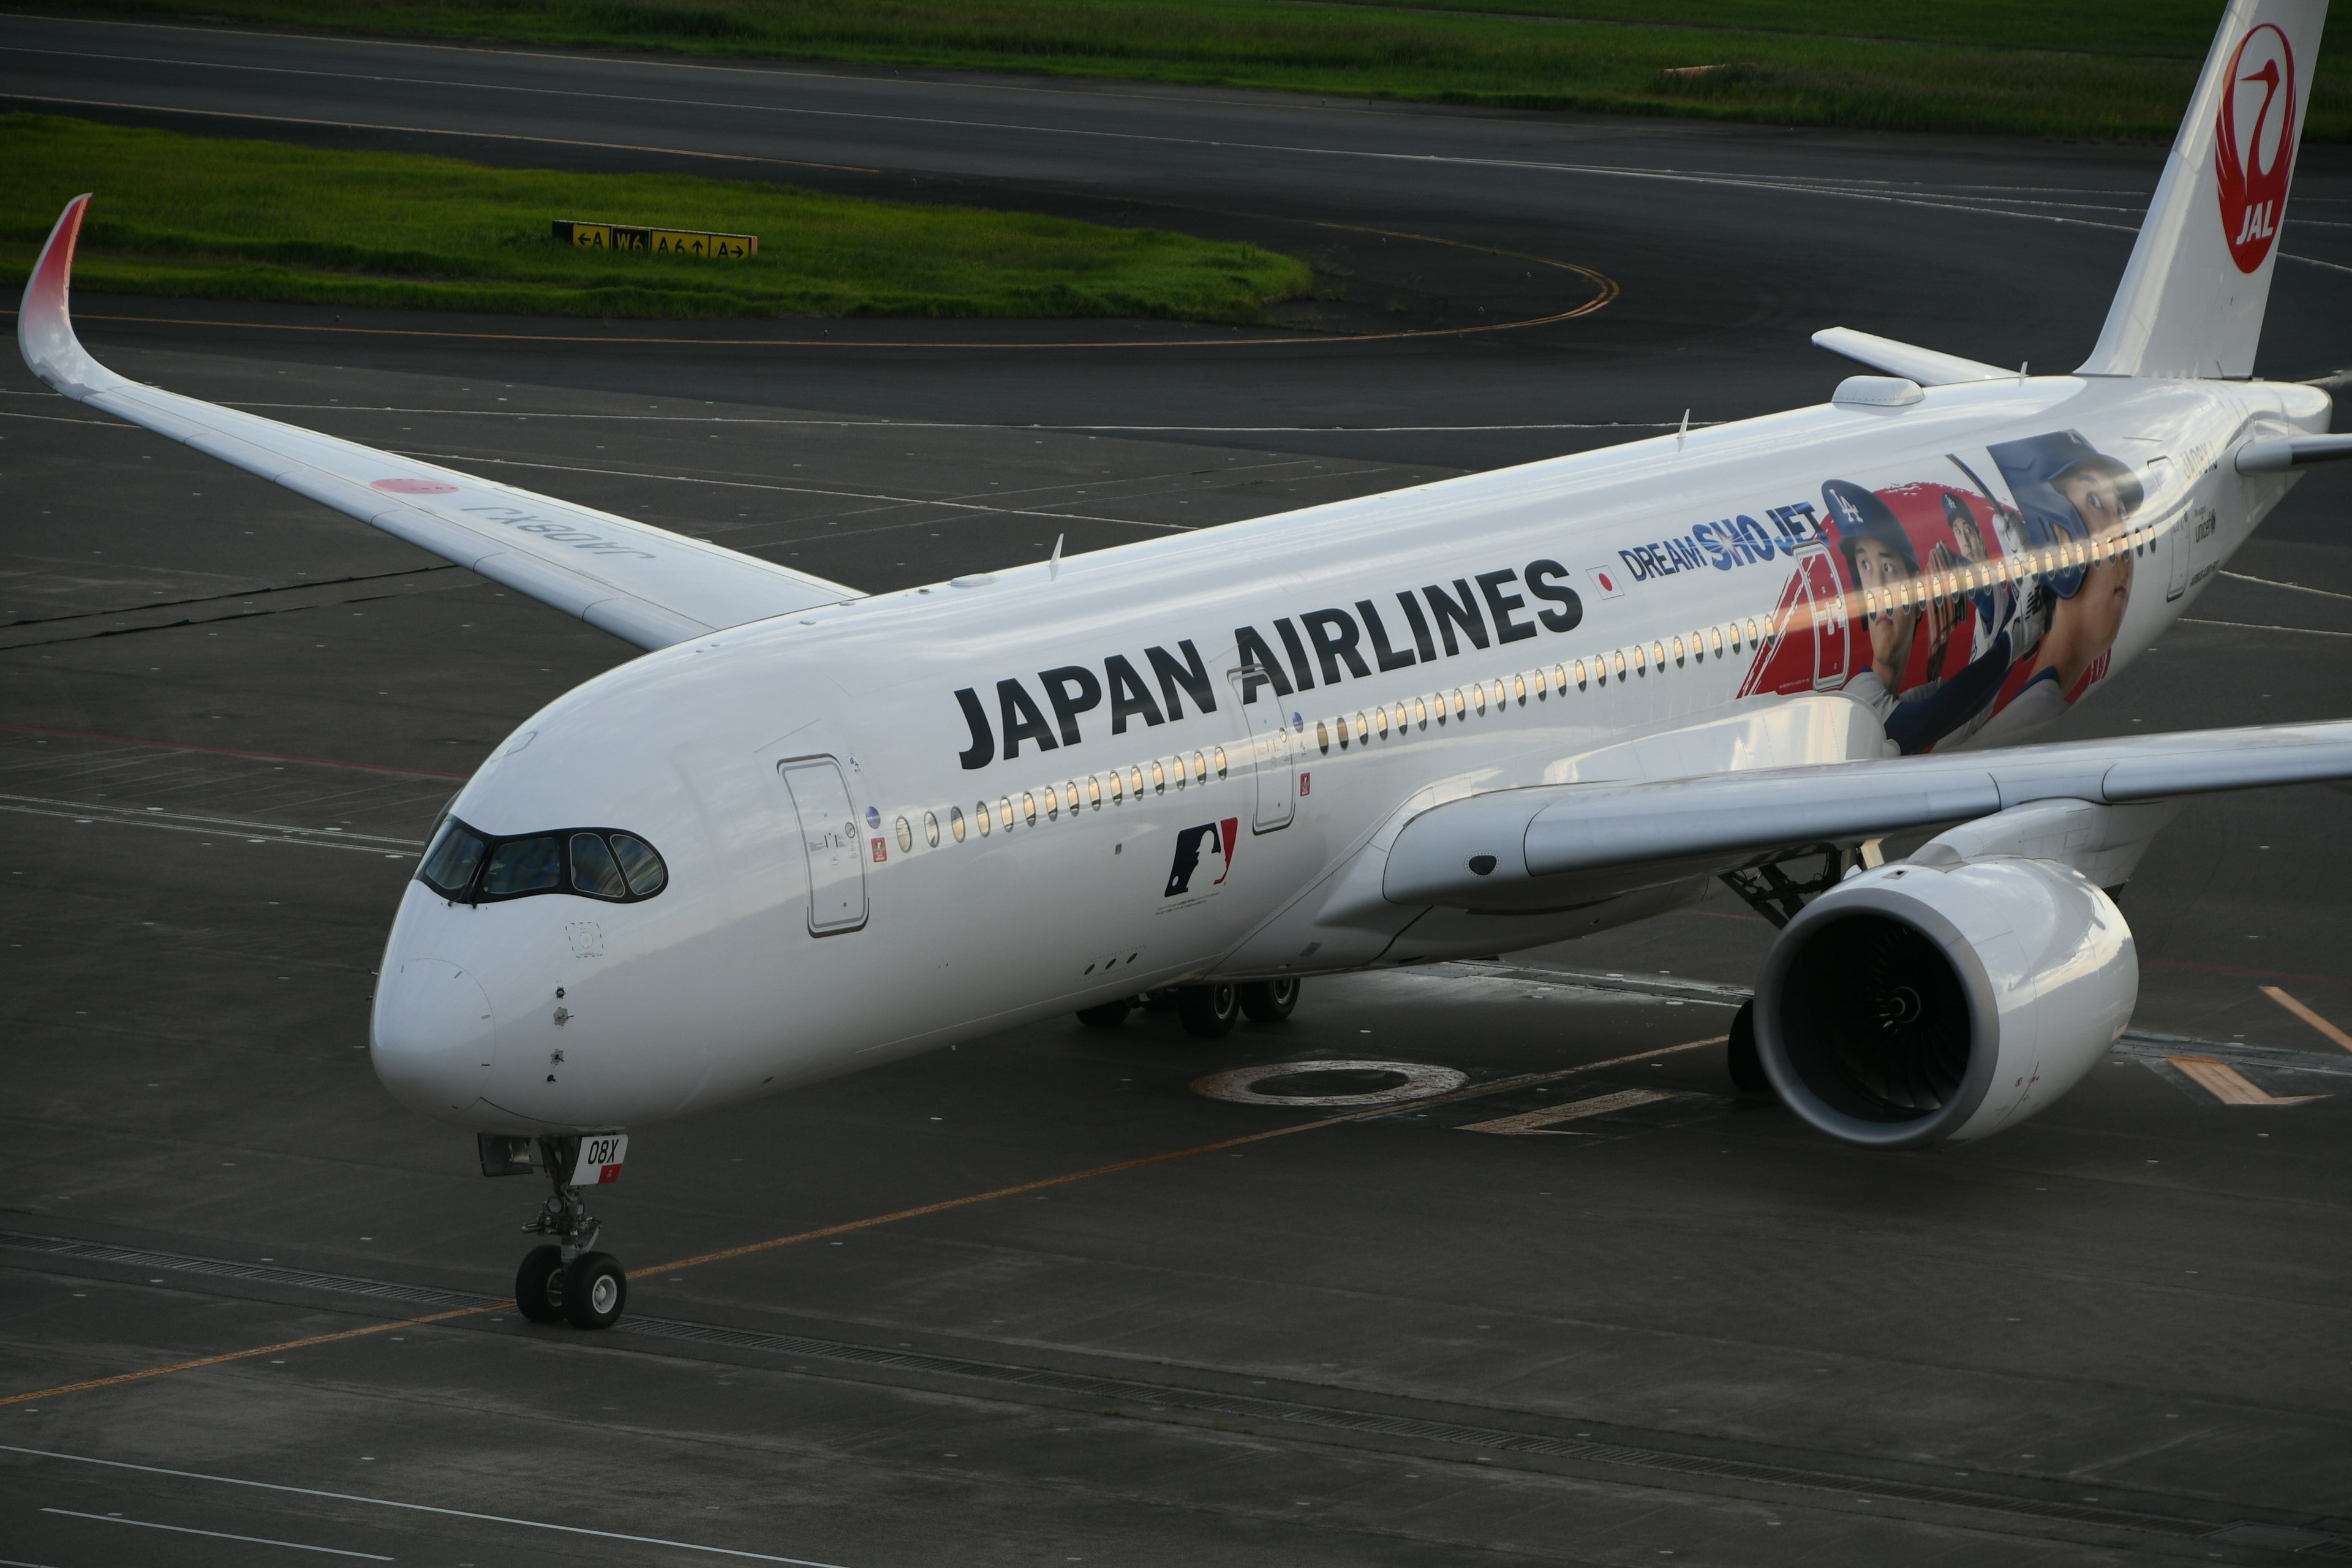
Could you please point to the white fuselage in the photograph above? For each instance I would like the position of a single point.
(563, 1013)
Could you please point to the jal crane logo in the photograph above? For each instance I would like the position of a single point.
(2253, 145)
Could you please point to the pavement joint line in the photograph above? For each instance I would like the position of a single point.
(2307, 1015)
(230, 751)
(411, 1507)
(1165, 1397)
(870, 1222)
(2262, 625)
(219, 1534)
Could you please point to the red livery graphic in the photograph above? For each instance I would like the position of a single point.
(2253, 145)
(1191, 844)
(1911, 602)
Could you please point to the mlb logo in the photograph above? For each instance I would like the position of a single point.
(1605, 579)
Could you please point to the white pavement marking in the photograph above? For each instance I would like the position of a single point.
(219, 826)
(2275, 582)
(218, 1535)
(1419, 1081)
(2261, 626)
(1541, 1122)
(412, 1507)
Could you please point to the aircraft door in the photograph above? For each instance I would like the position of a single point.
(2176, 551)
(2204, 542)
(1827, 609)
(1274, 758)
(829, 837)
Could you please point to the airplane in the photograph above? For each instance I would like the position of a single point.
(812, 830)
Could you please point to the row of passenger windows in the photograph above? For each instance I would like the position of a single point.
(471, 867)
(1114, 787)
(1727, 639)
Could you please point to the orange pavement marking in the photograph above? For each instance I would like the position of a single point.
(2231, 1087)
(2307, 1015)
(1500, 1086)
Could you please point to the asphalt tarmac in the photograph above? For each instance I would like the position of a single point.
(1038, 1299)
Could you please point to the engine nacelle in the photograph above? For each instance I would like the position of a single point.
(1916, 1003)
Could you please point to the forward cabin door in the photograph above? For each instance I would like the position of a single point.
(829, 837)
(1274, 759)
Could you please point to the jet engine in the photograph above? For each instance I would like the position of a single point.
(1917, 1002)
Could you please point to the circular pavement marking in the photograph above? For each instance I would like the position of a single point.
(1336, 1084)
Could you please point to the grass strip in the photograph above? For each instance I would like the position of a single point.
(2119, 70)
(193, 216)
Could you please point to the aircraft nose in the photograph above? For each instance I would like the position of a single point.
(433, 1033)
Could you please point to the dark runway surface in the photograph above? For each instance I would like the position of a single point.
(1037, 1300)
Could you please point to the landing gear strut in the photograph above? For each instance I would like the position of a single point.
(568, 1280)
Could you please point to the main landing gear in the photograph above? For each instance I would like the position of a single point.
(567, 1279)
(1206, 1011)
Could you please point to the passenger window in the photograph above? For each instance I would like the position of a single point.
(647, 873)
(1420, 714)
(1478, 692)
(1004, 812)
(1621, 664)
(1678, 651)
(981, 812)
(1322, 737)
(1381, 714)
(1159, 780)
(1559, 678)
(1176, 766)
(1520, 689)
(1461, 708)
(1093, 791)
(1658, 656)
(524, 865)
(1751, 628)
(1343, 733)
(1028, 809)
(1579, 676)
(906, 837)
(1220, 763)
(450, 863)
(1542, 686)
(955, 822)
(1118, 787)
(593, 871)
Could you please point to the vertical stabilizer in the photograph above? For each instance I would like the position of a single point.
(2192, 300)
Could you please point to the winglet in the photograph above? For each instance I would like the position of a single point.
(45, 333)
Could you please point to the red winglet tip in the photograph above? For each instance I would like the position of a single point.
(43, 325)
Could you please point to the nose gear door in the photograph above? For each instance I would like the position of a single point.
(1274, 762)
(829, 837)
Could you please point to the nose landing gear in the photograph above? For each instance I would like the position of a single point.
(567, 1279)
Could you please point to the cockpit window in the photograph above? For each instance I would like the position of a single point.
(647, 873)
(451, 862)
(593, 871)
(524, 865)
(468, 867)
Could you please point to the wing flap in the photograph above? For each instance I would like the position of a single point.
(642, 583)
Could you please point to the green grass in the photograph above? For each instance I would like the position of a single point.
(257, 220)
(2098, 68)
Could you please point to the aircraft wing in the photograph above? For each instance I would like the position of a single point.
(645, 584)
(1522, 850)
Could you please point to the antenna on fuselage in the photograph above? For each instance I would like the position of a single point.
(1054, 561)
(1683, 434)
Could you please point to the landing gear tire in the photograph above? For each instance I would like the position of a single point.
(1109, 1015)
(538, 1285)
(594, 1290)
(1208, 1011)
(1269, 1001)
(1740, 1054)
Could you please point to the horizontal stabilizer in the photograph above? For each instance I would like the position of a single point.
(1924, 366)
(644, 584)
(2280, 454)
